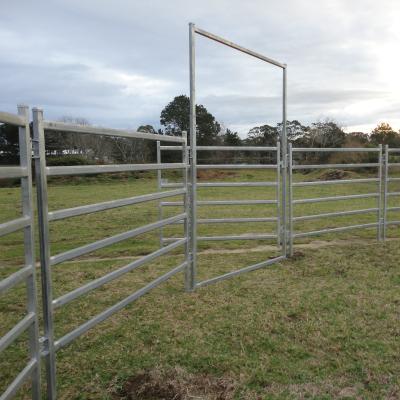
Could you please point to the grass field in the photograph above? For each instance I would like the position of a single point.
(322, 325)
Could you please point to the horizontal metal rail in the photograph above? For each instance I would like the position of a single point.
(236, 166)
(19, 380)
(335, 214)
(393, 194)
(68, 297)
(237, 47)
(394, 150)
(101, 169)
(336, 149)
(393, 164)
(335, 182)
(15, 225)
(240, 271)
(93, 130)
(228, 237)
(69, 337)
(322, 166)
(232, 220)
(223, 184)
(393, 223)
(339, 229)
(220, 202)
(13, 172)
(79, 251)
(16, 331)
(393, 208)
(334, 198)
(393, 179)
(12, 119)
(107, 205)
(15, 278)
(221, 148)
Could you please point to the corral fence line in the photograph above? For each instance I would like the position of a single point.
(284, 219)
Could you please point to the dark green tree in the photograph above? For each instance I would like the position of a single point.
(264, 135)
(175, 118)
(9, 144)
(231, 138)
(385, 134)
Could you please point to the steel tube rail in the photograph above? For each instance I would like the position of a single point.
(336, 182)
(13, 172)
(323, 166)
(339, 229)
(111, 276)
(16, 331)
(101, 169)
(236, 166)
(79, 251)
(385, 190)
(223, 184)
(220, 202)
(393, 194)
(335, 149)
(379, 205)
(227, 237)
(277, 195)
(235, 220)
(107, 205)
(12, 119)
(69, 337)
(22, 377)
(393, 164)
(222, 148)
(290, 193)
(240, 271)
(334, 198)
(14, 225)
(15, 278)
(335, 214)
(93, 130)
(237, 47)
(393, 208)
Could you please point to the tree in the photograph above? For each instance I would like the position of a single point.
(175, 118)
(264, 135)
(9, 144)
(325, 134)
(294, 130)
(384, 134)
(231, 138)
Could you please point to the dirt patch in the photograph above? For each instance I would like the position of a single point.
(205, 175)
(336, 174)
(175, 385)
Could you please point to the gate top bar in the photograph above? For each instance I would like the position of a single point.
(335, 149)
(237, 47)
(94, 130)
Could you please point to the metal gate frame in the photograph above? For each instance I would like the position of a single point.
(52, 345)
(163, 184)
(193, 30)
(379, 224)
(27, 273)
(386, 191)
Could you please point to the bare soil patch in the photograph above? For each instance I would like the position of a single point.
(204, 175)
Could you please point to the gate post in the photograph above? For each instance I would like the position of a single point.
(42, 205)
(290, 195)
(284, 164)
(25, 154)
(385, 189)
(193, 163)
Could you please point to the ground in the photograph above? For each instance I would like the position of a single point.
(322, 325)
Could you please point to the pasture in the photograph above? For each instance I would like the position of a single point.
(322, 325)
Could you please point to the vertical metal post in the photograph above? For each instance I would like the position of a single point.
(385, 191)
(278, 193)
(379, 205)
(25, 155)
(159, 188)
(193, 160)
(284, 162)
(290, 167)
(186, 202)
(42, 205)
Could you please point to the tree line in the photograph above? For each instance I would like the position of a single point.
(63, 147)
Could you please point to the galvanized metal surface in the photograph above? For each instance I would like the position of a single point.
(26, 274)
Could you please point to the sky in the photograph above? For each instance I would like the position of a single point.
(118, 63)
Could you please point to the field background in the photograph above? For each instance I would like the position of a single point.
(322, 325)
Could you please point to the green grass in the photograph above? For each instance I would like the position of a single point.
(323, 325)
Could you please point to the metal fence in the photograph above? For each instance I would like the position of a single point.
(388, 194)
(376, 193)
(275, 202)
(48, 261)
(25, 274)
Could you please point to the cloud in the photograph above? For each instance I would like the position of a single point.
(119, 64)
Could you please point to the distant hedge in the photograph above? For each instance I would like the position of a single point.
(66, 160)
